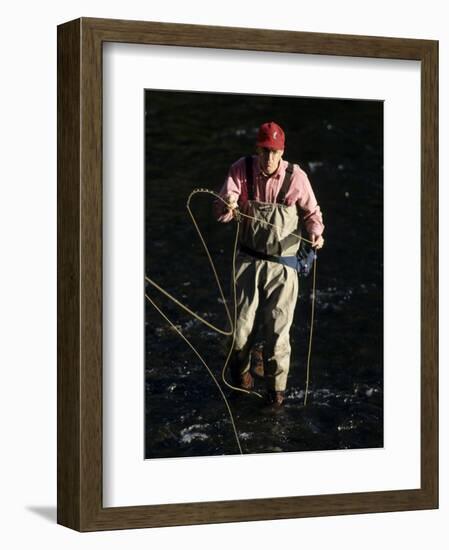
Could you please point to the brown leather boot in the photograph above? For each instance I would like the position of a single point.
(246, 381)
(276, 398)
(257, 363)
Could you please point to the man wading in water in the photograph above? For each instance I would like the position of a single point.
(269, 189)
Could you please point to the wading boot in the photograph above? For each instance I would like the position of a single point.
(257, 363)
(246, 381)
(276, 399)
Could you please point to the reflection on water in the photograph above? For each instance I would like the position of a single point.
(191, 139)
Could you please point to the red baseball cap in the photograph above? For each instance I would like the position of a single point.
(271, 135)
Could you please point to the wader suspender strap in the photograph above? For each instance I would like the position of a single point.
(285, 184)
(250, 180)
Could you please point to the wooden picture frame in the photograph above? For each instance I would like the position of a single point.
(80, 350)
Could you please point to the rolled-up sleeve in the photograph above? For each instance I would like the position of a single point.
(231, 189)
(305, 200)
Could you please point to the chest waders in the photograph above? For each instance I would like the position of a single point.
(266, 282)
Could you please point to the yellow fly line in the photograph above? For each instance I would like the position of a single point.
(232, 321)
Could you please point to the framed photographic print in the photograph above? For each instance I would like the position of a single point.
(247, 274)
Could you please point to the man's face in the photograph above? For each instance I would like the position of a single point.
(269, 159)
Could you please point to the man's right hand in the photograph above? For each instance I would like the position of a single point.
(231, 205)
(231, 202)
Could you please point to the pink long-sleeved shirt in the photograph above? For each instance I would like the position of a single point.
(267, 188)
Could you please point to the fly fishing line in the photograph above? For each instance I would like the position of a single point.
(232, 322)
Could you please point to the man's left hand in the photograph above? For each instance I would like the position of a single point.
(317, 241)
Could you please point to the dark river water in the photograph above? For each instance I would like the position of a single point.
(191, 140)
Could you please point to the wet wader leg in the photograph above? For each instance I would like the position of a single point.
(247, 276)
(280, 295)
